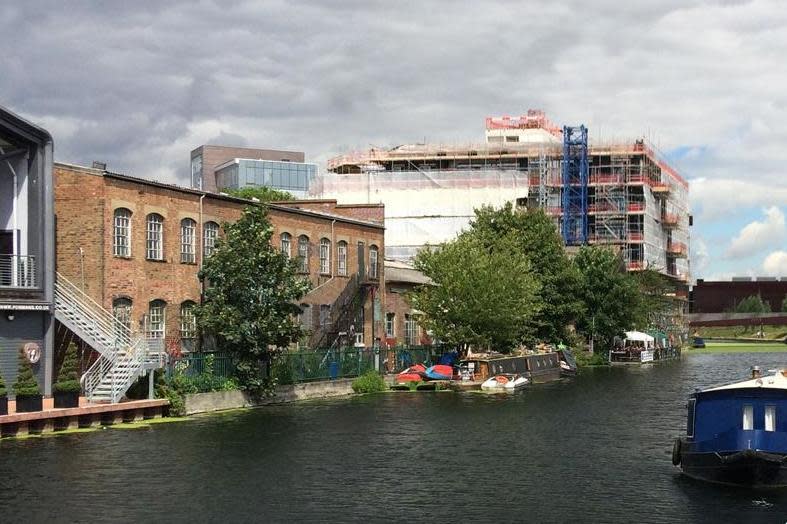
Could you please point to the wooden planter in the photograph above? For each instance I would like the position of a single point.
(68, 399)
(28, 403)
(3, 405)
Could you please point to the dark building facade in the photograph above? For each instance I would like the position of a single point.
(27, 272)
(724, 296)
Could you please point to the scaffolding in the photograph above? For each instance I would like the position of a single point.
(575, 185)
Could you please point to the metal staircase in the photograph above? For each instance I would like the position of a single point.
(342, 313)
(123, 355)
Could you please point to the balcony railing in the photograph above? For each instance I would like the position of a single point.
(18, 271)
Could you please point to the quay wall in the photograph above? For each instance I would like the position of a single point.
(222, 400)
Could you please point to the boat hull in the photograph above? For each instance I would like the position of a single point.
(748, 468)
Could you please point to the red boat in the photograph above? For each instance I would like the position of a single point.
(415, 373)
(440, 372)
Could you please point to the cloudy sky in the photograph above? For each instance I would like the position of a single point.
(139, 84)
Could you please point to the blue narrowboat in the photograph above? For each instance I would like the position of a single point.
(737, 434)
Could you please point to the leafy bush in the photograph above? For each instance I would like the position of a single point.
(68, 379)
(3, 391)
(585, 359)
(369, 382)
(25, 384)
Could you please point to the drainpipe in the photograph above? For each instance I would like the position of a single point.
(201, 248)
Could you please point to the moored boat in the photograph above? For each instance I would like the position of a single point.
(414, 373)
(736, 434)
(508, 383)
(440, 372)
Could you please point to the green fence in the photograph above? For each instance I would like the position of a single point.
(195, 364)
(291, 367)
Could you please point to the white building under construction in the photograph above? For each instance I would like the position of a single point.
(624, 194)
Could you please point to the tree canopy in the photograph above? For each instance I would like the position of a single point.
(251, 292)
(612, 298)
(535, 235)
(487, 297)
(753, 304)
(261, 193)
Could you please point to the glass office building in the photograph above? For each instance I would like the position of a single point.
(293, 177)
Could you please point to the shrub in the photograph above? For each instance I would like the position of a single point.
(3, 391)
(369, 382)
(68, 378)
(25, 384)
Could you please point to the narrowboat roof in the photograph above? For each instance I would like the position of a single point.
(776, 381)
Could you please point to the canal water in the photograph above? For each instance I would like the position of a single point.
(592, 449)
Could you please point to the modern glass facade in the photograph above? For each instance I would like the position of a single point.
(293, 177)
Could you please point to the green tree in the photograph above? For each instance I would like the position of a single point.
(657, 306)
(250, 296)
(784, 304)
(25, 381)
(753, 304)
(487, 297)
(3, 391)
(611, 296)
(534, 234)
(68, 378)
(261, 193)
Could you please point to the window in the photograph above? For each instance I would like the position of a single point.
(155, 237)
(305, 318)
(210, 234)
(325, 256)
(325, 314)
(303, 254)
(748, 417)
(188, 322)
(188, 240)
(121, 239)
(410, 330)
(770, 418)
(690, 417)
(121, 311)
(156, 319)
(286, 241)
(372, 261)
(390, 320)
(342, 258)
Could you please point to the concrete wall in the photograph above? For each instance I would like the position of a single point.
(222, 400)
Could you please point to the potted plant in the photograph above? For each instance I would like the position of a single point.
(3, 398)
(28, 396)
(66, 389)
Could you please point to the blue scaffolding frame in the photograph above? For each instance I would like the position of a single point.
(575, 185)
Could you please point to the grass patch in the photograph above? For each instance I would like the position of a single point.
(737, 347)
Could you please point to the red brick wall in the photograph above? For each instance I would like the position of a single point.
(85, 201)
(719, 297)
(365, 212)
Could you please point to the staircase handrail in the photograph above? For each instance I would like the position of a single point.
(92, 309)
(337, 308)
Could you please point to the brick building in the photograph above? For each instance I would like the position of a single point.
(401, 320)
(135, 246)
(724, 296)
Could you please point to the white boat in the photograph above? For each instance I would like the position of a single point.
(504, 383)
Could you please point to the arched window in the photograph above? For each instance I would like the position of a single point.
(211, 234)
(121, 311)
(188, 241)
(305, 318)
(372, 261)
(188, 322)
(121, 235)
(157, 321)
(341, 255)
(286, 244)
(155, 237)
(325, 314)
(325, 256)
(303, 254)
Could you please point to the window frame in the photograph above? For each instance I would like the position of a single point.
(124, 305)
(341, 258)
(154, 237)
(748, 409)
(374, 257)
(188, 331)
(161, 331)
(390, 325)
(188, 241)
(325, 256)
(303, 254)
(769, 408)
(286, 238)
(210, 234)
(121, 240)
